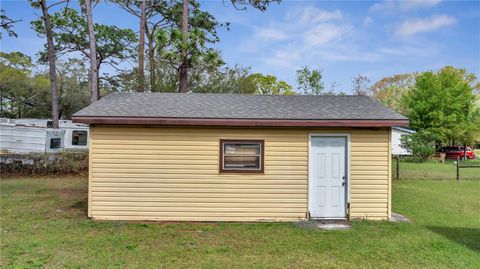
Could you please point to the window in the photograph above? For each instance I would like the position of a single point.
(79, 138)
(241, 156)
(55, 143)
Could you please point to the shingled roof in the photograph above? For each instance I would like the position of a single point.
(211, 109)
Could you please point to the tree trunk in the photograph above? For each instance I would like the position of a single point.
(151, 61)
(183, 72)
(51, 62)
(99, 62)
(141, 50)
(93, 54)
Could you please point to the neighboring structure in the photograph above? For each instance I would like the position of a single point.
(476, 145)
(36, 135)
(397, 134)
(213, 157)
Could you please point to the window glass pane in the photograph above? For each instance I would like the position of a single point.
(242, 162)
(55, 143)
(242, 149)
(242, 156)
(79, 138)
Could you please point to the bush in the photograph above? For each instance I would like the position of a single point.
(63, 163)
(421, 144)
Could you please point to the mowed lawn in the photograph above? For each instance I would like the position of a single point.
(44, 225)
(436, 171)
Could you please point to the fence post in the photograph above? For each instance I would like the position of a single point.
(458, 168)
(398, 168)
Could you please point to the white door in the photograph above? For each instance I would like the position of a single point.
(327, 177)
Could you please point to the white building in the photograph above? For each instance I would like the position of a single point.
(397, 133)
(36, 135)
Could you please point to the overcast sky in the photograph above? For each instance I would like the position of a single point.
(343, 38)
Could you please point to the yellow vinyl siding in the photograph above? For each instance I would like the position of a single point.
(161, 173)
(369, 174)
(90, 172)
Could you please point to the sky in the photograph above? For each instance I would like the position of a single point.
(343, 38)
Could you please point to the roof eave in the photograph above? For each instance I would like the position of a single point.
(239, 122)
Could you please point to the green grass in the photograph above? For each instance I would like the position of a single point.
(43, 225)
(438, 171)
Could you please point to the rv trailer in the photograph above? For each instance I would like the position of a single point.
(36, 135)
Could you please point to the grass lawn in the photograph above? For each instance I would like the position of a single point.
(43, 225)
(436, 171)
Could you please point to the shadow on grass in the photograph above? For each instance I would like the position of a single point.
(469, 237)
(81, 205)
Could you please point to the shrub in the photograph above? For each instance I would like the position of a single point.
(63, 163)
(421, 144)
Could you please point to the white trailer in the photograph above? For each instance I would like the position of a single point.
(76, 135)
(397, 134)
(34, 135)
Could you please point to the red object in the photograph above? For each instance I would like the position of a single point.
(454, 152)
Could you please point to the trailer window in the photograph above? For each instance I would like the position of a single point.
(79, 138)
(55, 143)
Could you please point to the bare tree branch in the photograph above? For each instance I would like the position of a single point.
(57, 3)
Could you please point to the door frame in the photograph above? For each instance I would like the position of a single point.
(347, 137)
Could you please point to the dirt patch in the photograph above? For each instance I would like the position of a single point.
(82, 205)
(75, 200)
(70, 194)
(327, 224)
(399, 218)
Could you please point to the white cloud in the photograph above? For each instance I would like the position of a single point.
(396, 5)
(304, 37)
(313, 15)
(322, 34)
(349, 54)
(284, 58)
(416, 4)
(428, 49)
(270, 33)
(414, 26)
(367, 21)
(297, 35)
(392, 51)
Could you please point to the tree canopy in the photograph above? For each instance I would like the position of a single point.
(310, 81)
(360, 85)
(443, 103)
(114, 44)
(195, 51)
(23, 93)
(261, 5)
(438, 102)
(390, 90)
(6, 23)
(270, 85)
(26, 93)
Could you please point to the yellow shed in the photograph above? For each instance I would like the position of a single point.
(228, 157)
